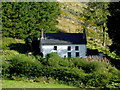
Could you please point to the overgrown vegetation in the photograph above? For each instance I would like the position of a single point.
(81, 72)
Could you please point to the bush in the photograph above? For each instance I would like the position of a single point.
(52, 59)
(115, 73)
(66, 63)
(95, 66)
(89, 66)
(5, 69)
(73, 71)
(113, 85)
(67, 74)
(99, 79)
(39, 58)
(26, 65)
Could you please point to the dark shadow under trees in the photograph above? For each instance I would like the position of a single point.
(21, 48)
(114, 26)
(25, 48)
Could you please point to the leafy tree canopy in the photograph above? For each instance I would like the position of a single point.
(22, 19)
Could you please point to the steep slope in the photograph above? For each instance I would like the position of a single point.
(72, 20)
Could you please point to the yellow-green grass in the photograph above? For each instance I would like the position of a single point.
(23, 84)
(76, 6)
(66, 25)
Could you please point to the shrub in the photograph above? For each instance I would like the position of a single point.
(26, 65)
(99, 79)
(90, 65)
(52, 59)
(79, 72)
(95, 66)
(80, 62)
(112, 85)
(5, 68)
(115, 73)
(66, 63)
(67, 74)
(84, 64)
(39, 58)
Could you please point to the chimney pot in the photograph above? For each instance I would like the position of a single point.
(42, 34)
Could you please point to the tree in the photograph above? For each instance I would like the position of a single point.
(22, 19)
(114, 26)
(97, 12)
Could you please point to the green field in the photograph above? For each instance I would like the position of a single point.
(23, 84)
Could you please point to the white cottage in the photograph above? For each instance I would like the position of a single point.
(65, 44)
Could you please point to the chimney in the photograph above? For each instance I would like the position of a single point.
(42, 34)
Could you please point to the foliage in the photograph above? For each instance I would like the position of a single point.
(98, 12)
(114, 27)
(115, 73)
(52, 59)
(89, 64)
(21, 19)
(66, 63)
(113, 85)
(24, 65)
(90, 71)
(5, 68)
(99, 79)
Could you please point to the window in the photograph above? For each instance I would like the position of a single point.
(69, 54)
(76, 48)
(55, 47)
(77, 54)
(69, 48)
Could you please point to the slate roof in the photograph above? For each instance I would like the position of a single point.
(63, 39)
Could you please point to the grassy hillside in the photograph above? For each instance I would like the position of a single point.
(72, 20)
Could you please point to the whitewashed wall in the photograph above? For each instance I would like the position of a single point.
(62, 50)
